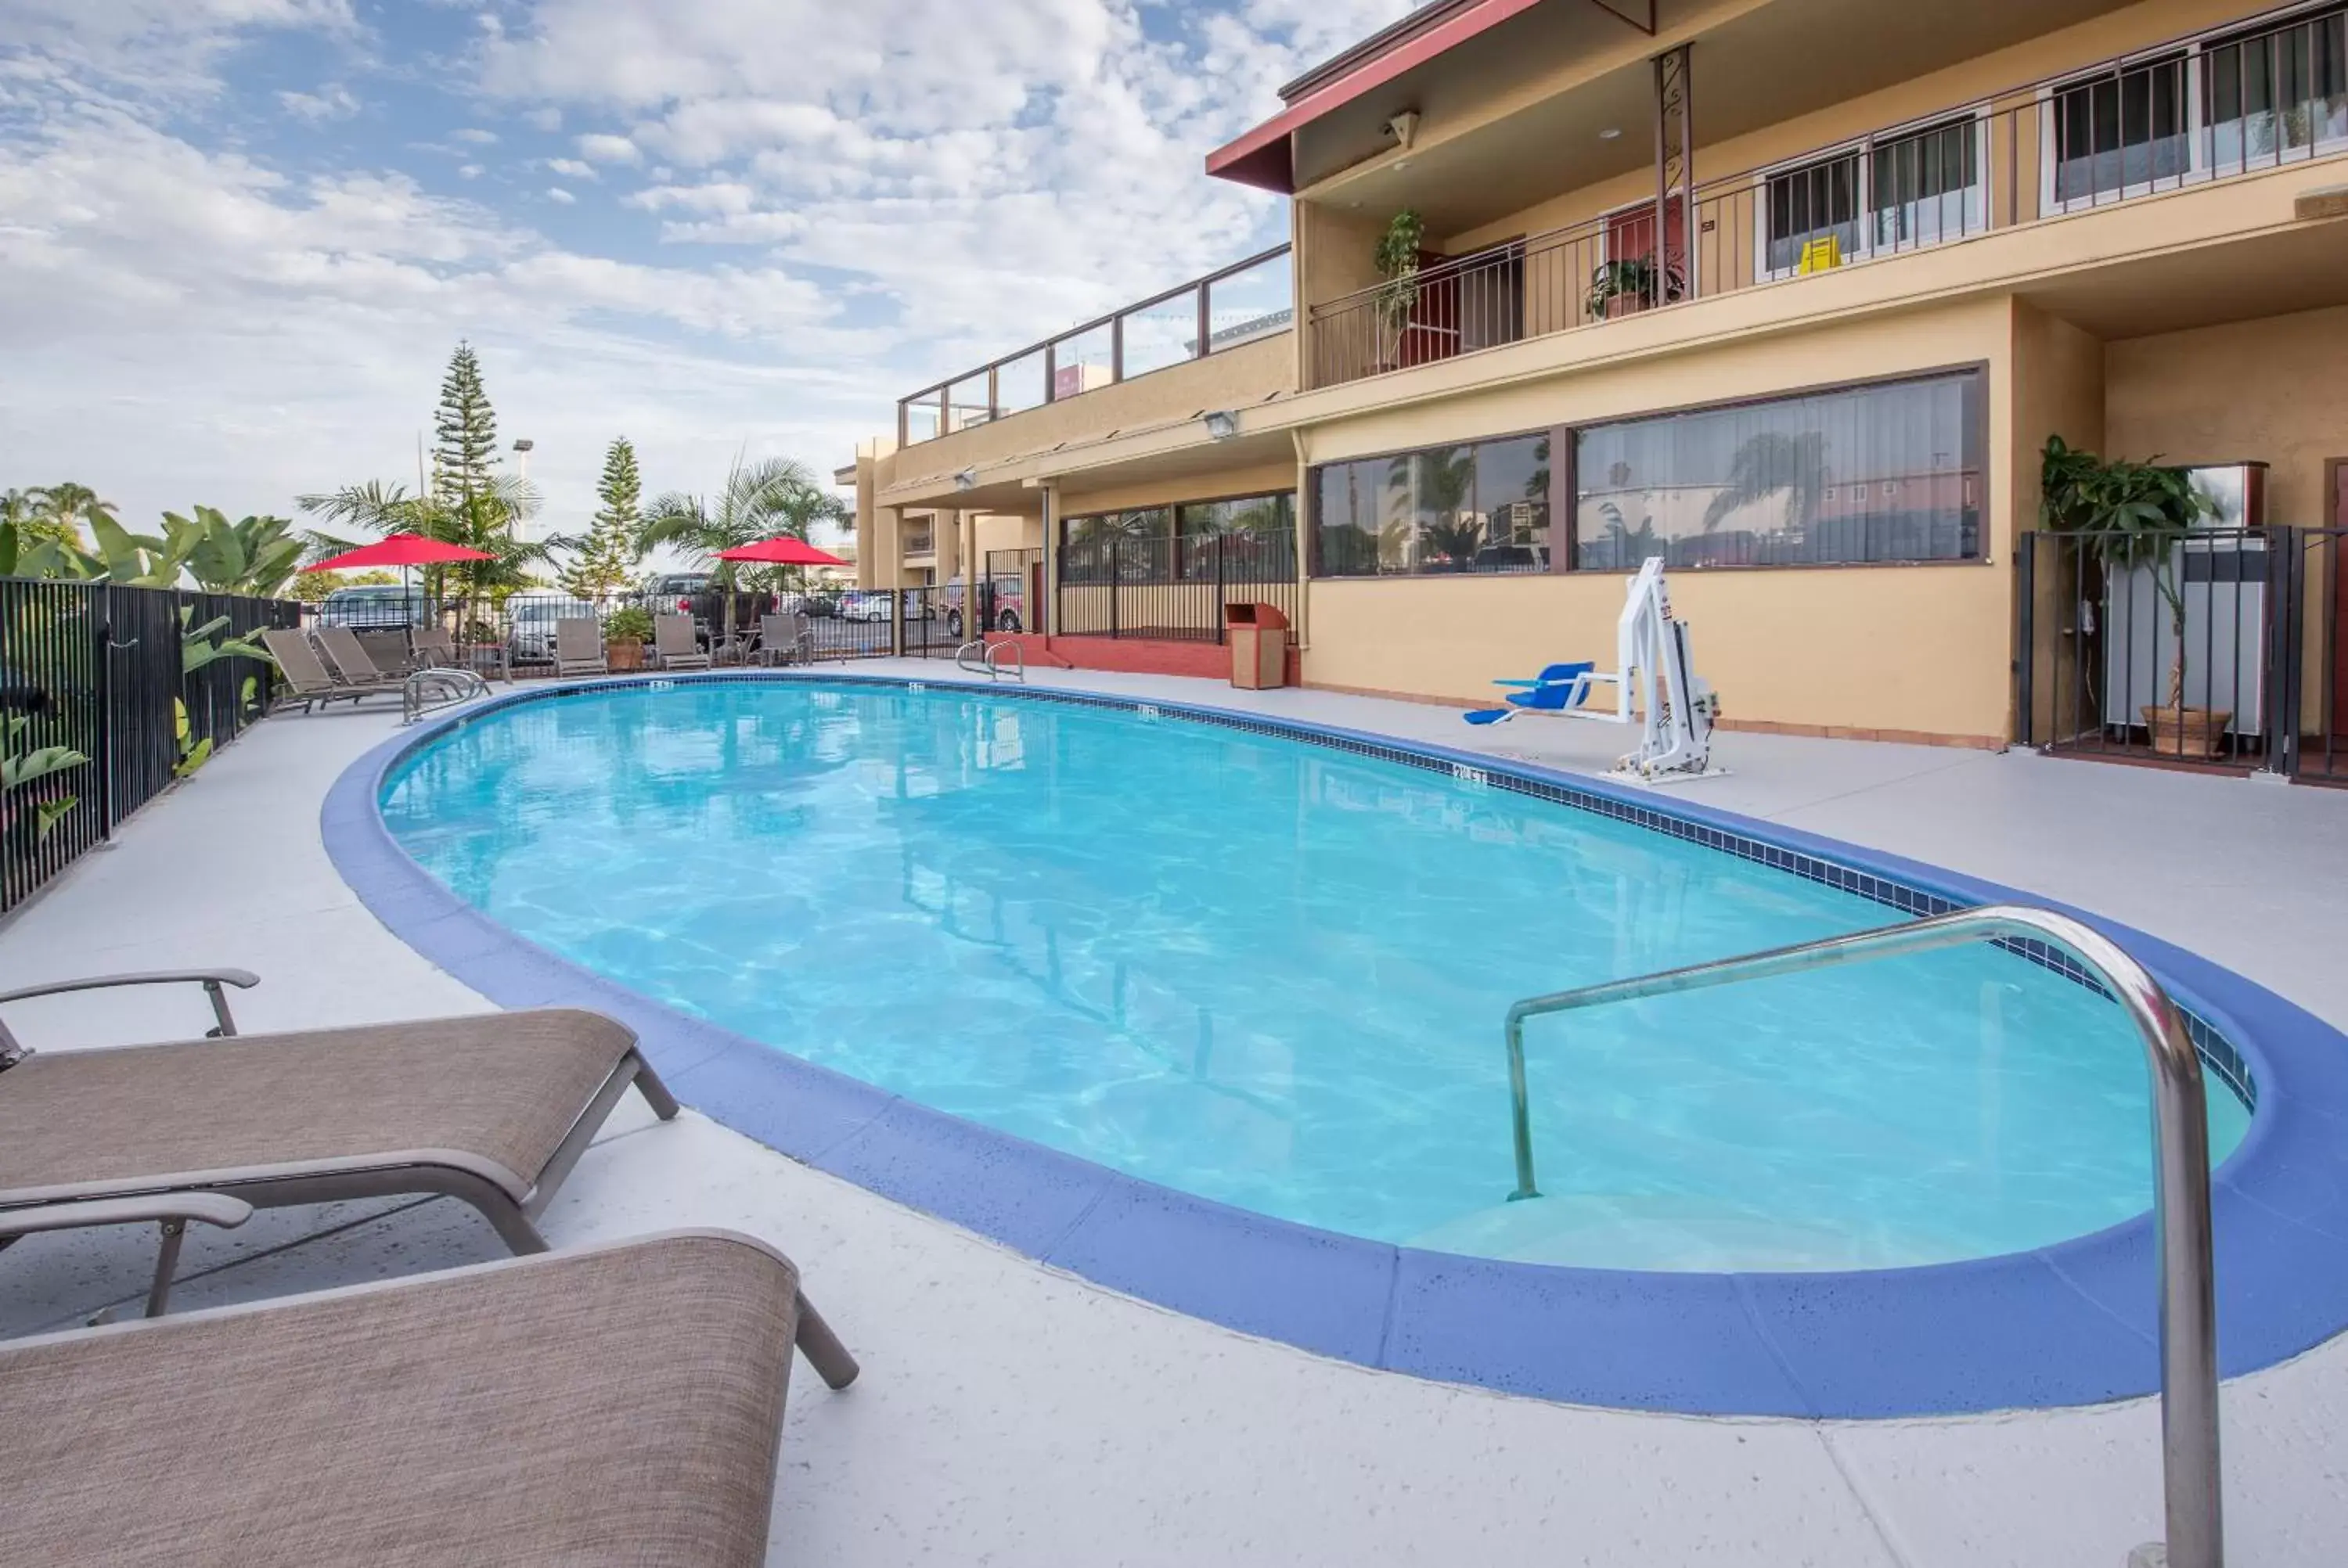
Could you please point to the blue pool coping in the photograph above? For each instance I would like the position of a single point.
(2064, 1325)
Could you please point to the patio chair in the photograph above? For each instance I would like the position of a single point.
(389, 650)
(619, 1403)
(578, 647)
(308, 682)
(674, 647)
(786, 640)
(493, 1109)
(433, 645)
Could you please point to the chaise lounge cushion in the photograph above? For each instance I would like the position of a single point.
(621, 1405)
(498, 1091)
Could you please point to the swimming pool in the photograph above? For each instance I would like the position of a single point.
(1272, 975)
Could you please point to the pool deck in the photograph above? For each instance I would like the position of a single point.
(1011, 1413)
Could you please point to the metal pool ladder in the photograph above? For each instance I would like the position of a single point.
(2180, 1153)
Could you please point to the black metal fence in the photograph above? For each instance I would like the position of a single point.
(2224, 652)
(101, 669)
(1171, 588)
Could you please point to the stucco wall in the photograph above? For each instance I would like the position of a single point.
(1233, 378)
(2058, 390)
(2273, 390)
(1912, 650)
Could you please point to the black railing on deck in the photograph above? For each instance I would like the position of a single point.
(2226, 654)
(1171, 588)
(98, 668)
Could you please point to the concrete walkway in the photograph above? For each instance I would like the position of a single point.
(1010, 1414)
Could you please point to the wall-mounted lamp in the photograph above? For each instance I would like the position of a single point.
(966, 480)
(1222, 425)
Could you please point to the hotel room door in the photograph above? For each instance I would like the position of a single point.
(2335, 496)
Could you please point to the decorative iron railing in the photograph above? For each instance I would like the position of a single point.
(2260, 94)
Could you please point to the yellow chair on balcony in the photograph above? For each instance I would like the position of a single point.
(1820, 254)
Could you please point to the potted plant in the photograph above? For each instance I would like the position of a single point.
(1398, 262)
(2138, 515)
(624, 636)
(1618, 288)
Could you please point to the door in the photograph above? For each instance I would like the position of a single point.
(1627, 280)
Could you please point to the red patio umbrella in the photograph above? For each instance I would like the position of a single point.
(784, 551)
(401, 551)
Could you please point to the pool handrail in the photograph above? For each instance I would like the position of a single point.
(2180, 1142)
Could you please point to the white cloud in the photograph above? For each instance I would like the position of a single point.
(964, 178)
(605, 148)
(332, 102)
(555, 193)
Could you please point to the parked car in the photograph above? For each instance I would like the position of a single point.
(818, 604)
(1010, 600)
(865, 604)
(673, 593)
(375, 606)
(529, 626)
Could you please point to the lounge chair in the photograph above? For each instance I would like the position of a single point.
(307, 679)
(492, 1108)
(786, 640)
(619, 1403)
(1554, 690)
(674, 647)
(389, 650)
(578, 647)
(433, 645)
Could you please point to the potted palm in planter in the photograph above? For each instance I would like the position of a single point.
(624, 636)
(1396, 258)
(1619, 288)
(2138, 515)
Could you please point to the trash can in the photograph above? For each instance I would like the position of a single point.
(1257, 634)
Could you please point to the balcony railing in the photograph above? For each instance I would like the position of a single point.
(1239, 304)
(2236, 100)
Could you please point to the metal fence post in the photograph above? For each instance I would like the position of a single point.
(2286, 648)
(2025, 663)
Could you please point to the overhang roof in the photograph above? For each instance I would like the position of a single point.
(1264, 156)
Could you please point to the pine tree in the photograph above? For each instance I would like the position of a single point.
(608, 557)
(464, 432)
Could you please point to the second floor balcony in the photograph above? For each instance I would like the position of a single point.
(1239, 304)
(2240, 98)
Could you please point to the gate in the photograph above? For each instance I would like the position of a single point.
(2227, 655)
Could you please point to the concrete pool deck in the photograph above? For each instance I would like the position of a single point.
(1011, 1413)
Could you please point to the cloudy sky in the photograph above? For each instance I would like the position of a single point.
(238, 238)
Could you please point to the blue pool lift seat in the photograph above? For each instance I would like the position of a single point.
(1554, 690)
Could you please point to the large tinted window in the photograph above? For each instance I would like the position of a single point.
(1238, 539)
(1480, 507)
(1886, 472)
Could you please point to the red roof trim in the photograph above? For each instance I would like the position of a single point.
(1262, 156)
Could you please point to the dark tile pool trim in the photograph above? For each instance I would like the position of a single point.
(2071, 1324)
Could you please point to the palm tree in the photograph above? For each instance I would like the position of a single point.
(1770, 462)
(483, 520)
(763, 500)
(1626, 545)
(1441, 483)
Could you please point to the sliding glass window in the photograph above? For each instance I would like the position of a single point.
(1481, 506)
(1891, 472)
(1245, 538)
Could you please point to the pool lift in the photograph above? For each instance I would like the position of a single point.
(1674, 707)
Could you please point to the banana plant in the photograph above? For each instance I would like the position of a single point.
(19, 769)
(254, 556)
(197, 648)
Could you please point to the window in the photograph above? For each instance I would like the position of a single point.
(1247, 538)
(2118, 133)
(2268, 95)
(1892, 472)
(921, 536)
(1481, 506)
(1926, 186)
(1817, 202)
(1916, 189)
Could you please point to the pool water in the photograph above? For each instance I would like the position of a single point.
(1274, 974)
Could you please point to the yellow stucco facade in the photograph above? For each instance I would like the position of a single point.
(2202, 320)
